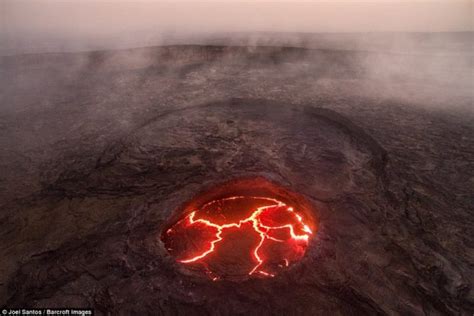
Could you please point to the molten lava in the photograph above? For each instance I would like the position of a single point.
(239, 234)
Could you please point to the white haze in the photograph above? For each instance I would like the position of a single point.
(416, 52)
(51, 25)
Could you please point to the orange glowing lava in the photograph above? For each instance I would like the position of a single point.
(238, 235)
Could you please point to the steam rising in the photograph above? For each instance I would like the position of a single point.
(55, 98)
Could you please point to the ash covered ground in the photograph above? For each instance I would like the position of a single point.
(100, 149)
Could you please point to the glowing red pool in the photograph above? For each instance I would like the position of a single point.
(239, 235)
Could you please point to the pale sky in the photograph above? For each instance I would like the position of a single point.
(232, 15)
(28, 22)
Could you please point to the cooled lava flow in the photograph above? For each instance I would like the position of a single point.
(240, 235)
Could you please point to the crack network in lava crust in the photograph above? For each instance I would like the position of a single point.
(240, 235)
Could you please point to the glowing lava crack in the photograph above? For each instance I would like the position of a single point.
(239, 235)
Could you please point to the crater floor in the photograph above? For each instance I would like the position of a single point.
(100, 149)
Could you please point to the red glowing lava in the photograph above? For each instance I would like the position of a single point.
(239, 235)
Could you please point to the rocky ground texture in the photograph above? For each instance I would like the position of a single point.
(100, 149)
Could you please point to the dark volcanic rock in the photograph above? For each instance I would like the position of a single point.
(98, 163)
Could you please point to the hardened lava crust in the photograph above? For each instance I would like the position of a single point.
(164, 164)
(246, 228)
(104, 152)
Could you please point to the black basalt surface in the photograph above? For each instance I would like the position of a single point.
(85, 200)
